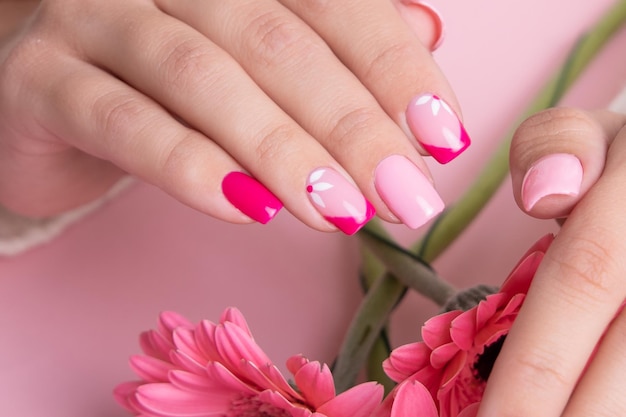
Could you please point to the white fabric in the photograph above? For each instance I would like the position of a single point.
(19, 233)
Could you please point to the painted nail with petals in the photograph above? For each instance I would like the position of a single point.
(250, 197)
(340, 202)
(437, 128)
(556, 174)
(407, 191)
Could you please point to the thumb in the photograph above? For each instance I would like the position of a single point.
(557, 155)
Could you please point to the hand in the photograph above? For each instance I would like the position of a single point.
(230, 107)
(569, 163)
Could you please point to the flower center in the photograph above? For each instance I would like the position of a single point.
(253, 407)
(484, 362)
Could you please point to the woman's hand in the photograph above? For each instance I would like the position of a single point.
(569, 163)
(233, 108)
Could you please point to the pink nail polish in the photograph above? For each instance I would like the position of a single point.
(555, 174)
(407, 191)
(437, 127)
(250, 197)
(340, 202)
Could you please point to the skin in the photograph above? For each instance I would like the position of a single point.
(579, 286)
(180, 93)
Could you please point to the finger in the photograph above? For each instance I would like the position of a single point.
(116, 123)
(574, 295)
(556, 157)
(601, 390)
(425, 21)
(378, 46)
(200, 83)
(291, 62)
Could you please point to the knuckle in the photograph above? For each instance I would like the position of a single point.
(555, 128)
(275, 38)
(384, 60)
(540, 369)
(588, 268)
(316, 7)
(114, 114)
(274, 142)
(356, 123)
(187, 64)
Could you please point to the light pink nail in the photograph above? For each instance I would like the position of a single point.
(340, 202)
(407, 191)
(251, 197)
(437, 128)
(555, 174)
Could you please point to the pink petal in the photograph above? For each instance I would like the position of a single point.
(486, 309)
(443, 354)
(185, 341)
(316, 384)
(123, 392)
(278, 401)
(268, 378)
(470, 411)
(454, 368)
(167, 400)
(296, 362)
(358, 401)
(436, 331)
(169, 321)
(182, 361)
(188, 381)
(520, 278)
(407, 359)
(234, 316)
(154, 344)
(413, 399)
(221, 376)
(463, 329)
(150, 369)
(234, 344)
(205, 340)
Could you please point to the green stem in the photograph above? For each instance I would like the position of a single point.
(454, 221)
(387, 291)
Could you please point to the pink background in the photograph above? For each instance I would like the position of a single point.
(70, 311)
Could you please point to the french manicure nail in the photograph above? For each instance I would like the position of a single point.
(555, 174)
(407, 191)
(437, 128)
(340, 202)
(250, 197)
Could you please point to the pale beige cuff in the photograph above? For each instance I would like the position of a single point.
(19, 233)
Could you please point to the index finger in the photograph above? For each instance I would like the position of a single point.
(576, 292)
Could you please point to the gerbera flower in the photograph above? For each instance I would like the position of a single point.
(445, 375)
(213, 369)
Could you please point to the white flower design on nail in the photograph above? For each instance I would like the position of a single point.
(315, 186)
(436, 103)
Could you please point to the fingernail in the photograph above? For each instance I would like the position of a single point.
(407, 191)
(555, 174)
(340, 202)
(437, 128)
(250, 197)
(437, 19)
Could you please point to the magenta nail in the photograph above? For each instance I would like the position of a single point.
(555, 174)
(340, 202)
(407, 191)
(250, 197)
(437, 128)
